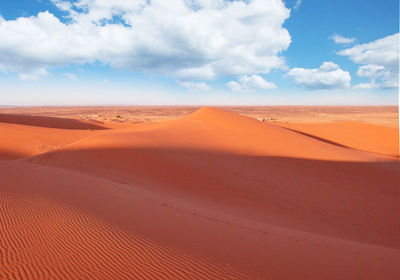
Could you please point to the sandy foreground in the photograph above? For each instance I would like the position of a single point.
(199, 193)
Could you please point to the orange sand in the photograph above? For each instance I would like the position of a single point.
(213, 195)
(361, 136)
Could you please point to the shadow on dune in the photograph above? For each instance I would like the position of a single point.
(226, 206)
(317, 138)
(395, 156)
(358, 201)
(50, 122)
(7, 155)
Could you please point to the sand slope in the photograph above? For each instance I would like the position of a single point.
(211, 196)
(356, 135)
(62, 218)
(50, 122)
(21, 141)
(25, 136)
(55, 241)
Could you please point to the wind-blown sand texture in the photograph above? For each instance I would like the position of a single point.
(210, 195)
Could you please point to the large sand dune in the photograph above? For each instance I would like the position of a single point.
(361, 136)
(213, 195)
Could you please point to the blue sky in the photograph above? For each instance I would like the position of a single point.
(254, 52)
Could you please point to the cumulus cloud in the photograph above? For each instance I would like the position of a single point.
(378, 75)
(338, 39)
(250, 84)
(185, 39)
(383, 51)
(327, 76)
(195, 86)
(32, 45)
(379, 61)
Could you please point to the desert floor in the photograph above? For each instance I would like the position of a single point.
(199, 193)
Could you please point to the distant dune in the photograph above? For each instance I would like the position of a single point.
(51, 122)
(213, 195)
(361, 136)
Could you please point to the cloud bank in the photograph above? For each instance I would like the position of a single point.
(189, 40)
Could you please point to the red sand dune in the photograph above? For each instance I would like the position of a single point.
(51, 122)
(19, 141)
(356, 135)
(214, 195)
(55, 241)
(25, 136)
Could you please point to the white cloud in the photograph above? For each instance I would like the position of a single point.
(34, 44)
(379, 61)
(378, 75)
(195, 86)
(63, 5)
(250, 84)
(297, 4)
(383, 51)
(185, 39)
(34, 75)
(327, 76)
(365, 86)
(370, 71)
(338, 39)
(70, 76)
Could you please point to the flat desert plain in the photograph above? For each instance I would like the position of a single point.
(199, 193)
